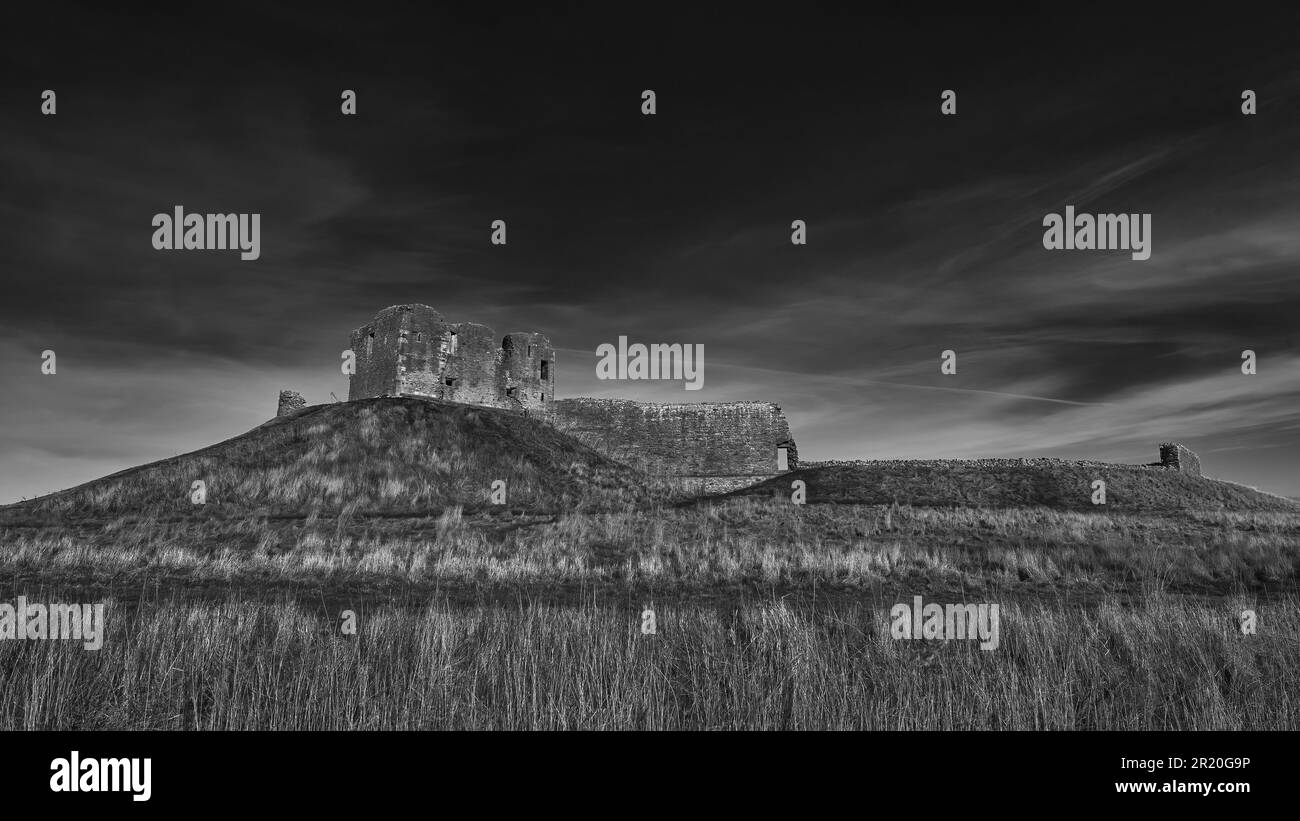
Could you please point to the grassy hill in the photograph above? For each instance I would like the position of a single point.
(370, 497)
(1003, 483)
(388, 455)
(396, 457)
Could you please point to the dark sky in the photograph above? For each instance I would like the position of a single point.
(924, 231)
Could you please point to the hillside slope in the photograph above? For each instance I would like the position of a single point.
(1002, 483)
(375, 455)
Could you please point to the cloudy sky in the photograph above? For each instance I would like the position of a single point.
(924, 231)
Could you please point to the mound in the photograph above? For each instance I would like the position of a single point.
(387, 455)
(1052, 483)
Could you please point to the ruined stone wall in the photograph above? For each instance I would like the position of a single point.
(421, 357)
(528, 370)
(471, 372)
(290, 402)
(1176, 457)
(376, 346)
(710, 445)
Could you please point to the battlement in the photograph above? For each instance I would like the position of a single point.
(411, 350)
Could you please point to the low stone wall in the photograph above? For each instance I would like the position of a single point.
(1173, 456)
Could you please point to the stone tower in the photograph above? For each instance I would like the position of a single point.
(411, 350)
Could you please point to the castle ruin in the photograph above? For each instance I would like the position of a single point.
(704, 447)
(411, 350)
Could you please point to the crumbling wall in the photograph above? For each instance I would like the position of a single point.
(710, 445)
(527, 371)
(1176, 457)
(290, 402)
(471, 372)
(378, 347)
(421, 357)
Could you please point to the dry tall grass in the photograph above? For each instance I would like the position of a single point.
(1165, 663)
